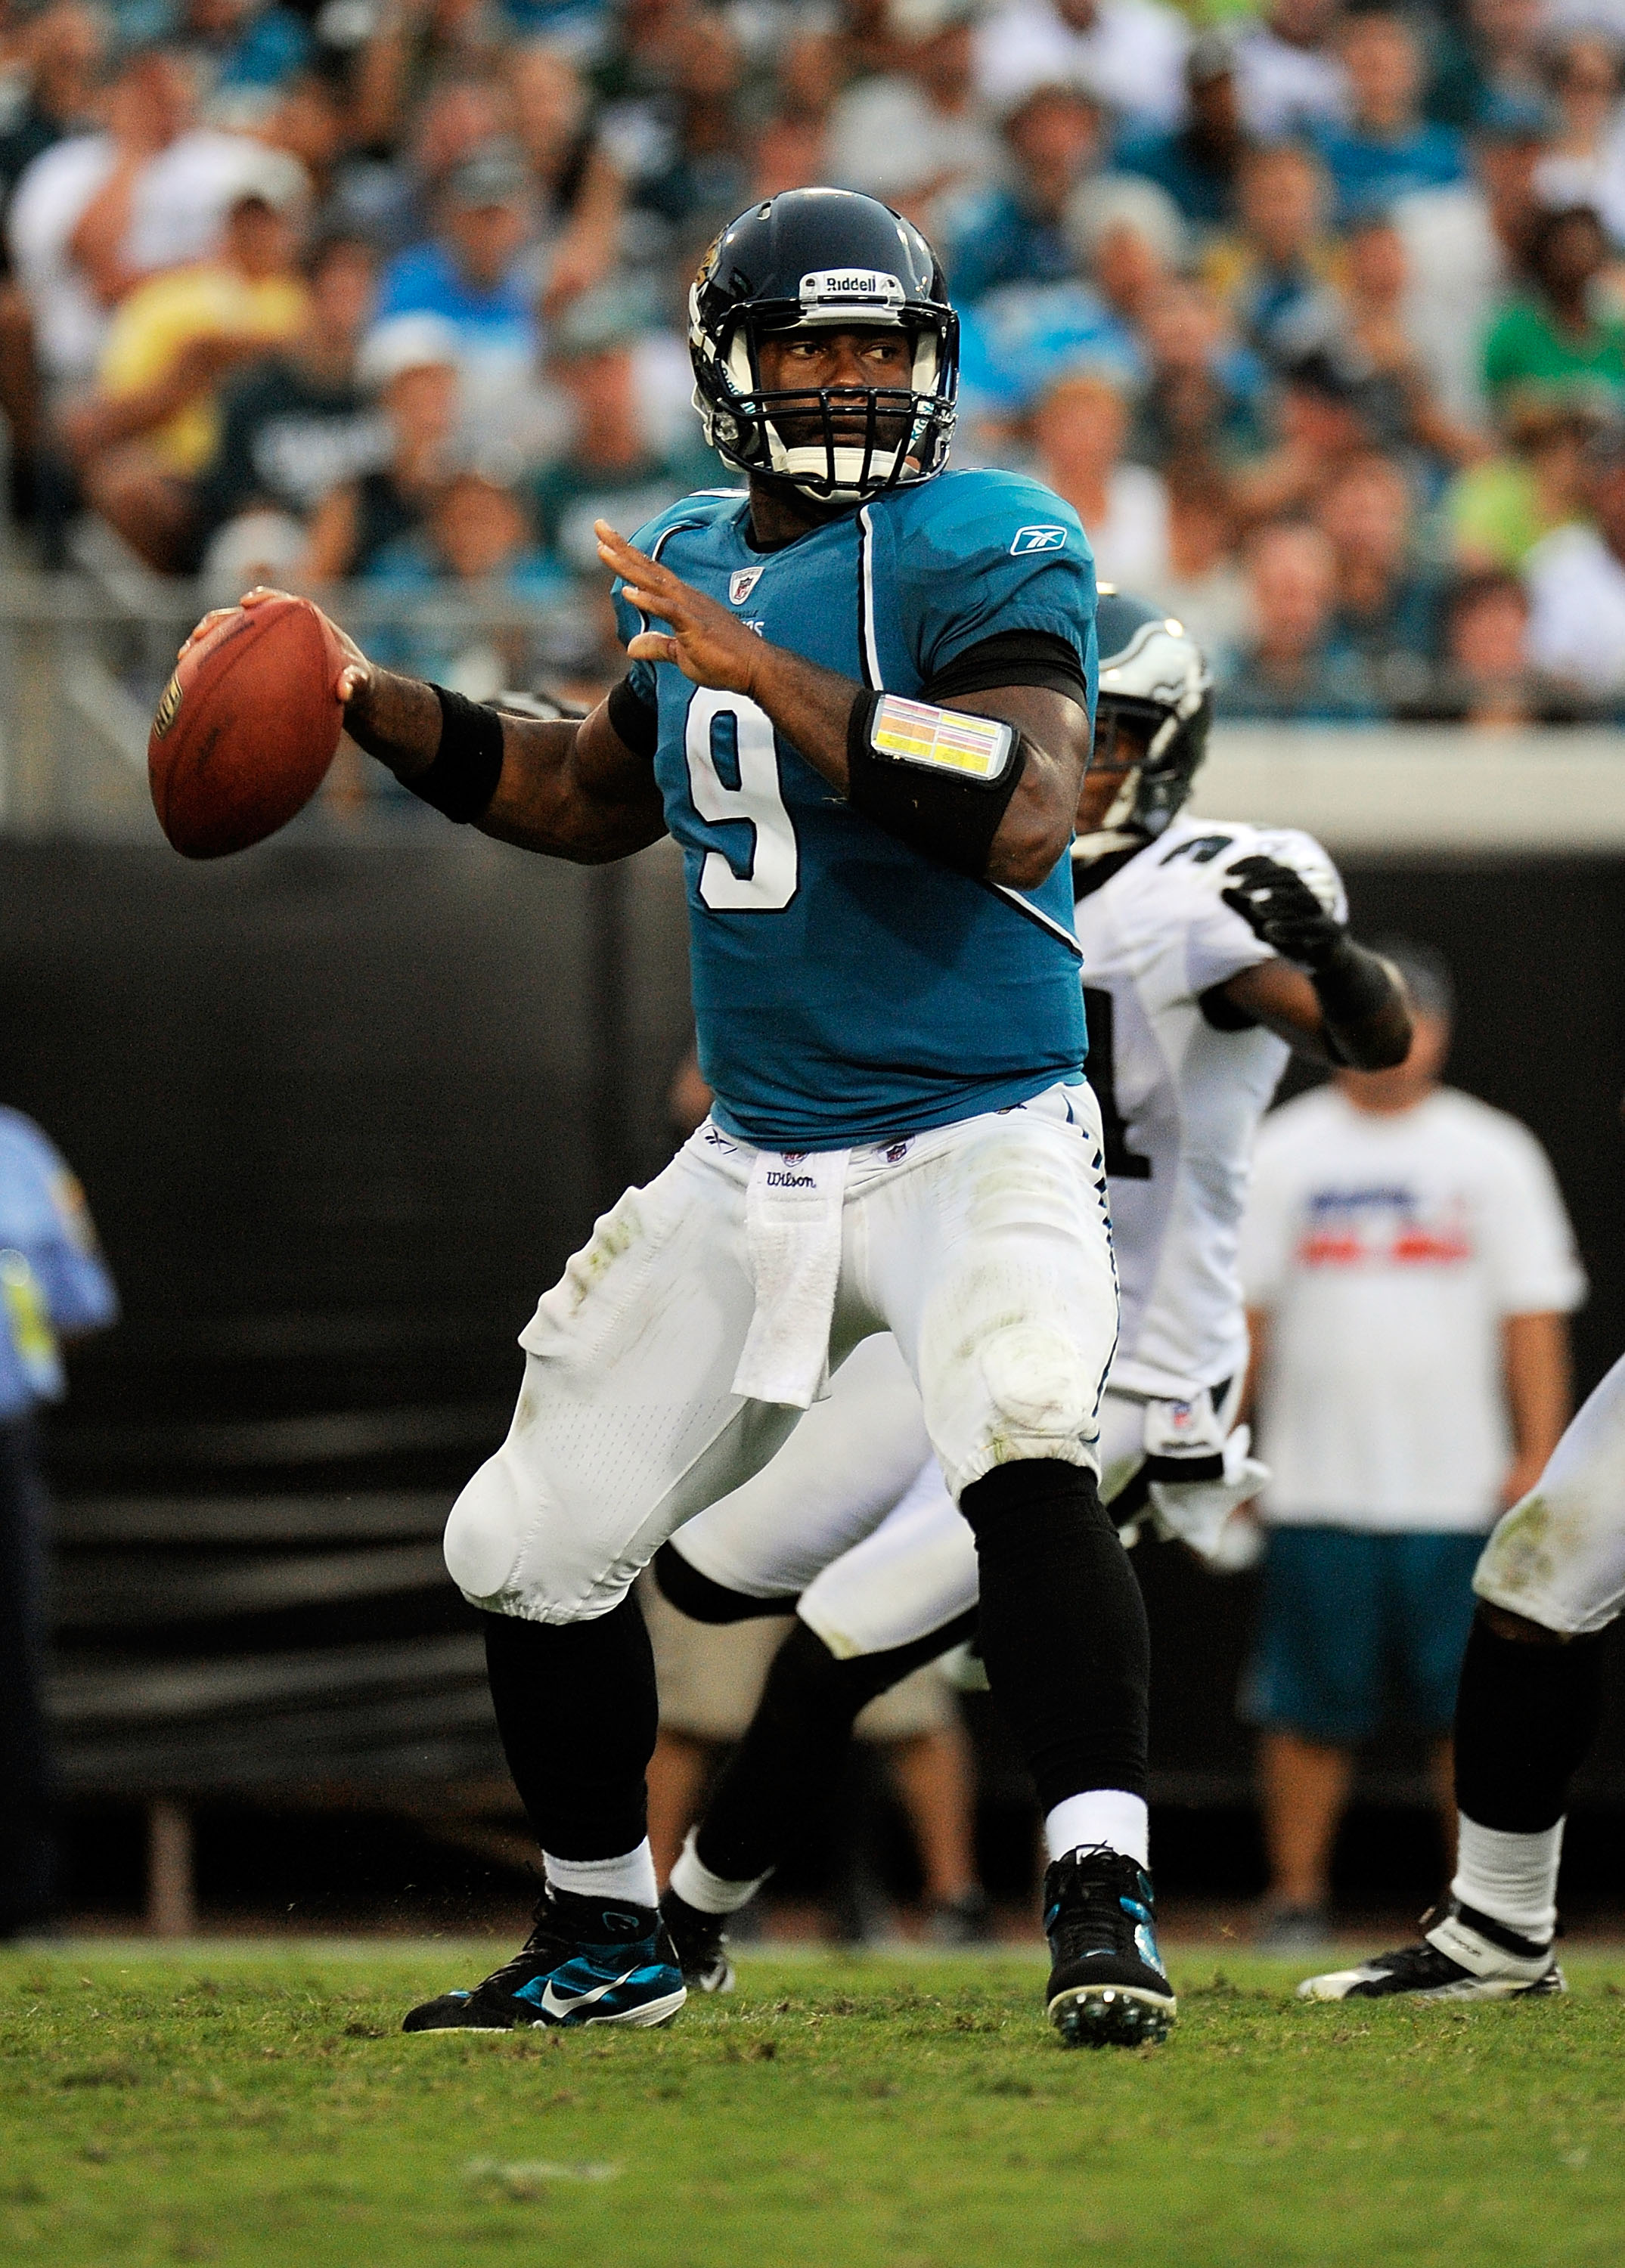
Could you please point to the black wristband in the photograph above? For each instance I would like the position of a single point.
(463, 779)
(952, 816)
(636, 722)
(1351, 984)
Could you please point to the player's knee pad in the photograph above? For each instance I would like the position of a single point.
(1041, 1389)
(486, 1530)
(703, 1599)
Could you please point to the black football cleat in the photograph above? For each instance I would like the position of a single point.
(588, 1961)
(1108, 1988)
(1463, 1955)
(700, 1942)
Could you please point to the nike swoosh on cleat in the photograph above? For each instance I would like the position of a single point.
(554, 2005)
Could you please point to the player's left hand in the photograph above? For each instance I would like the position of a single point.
(1278, 905)
(705, 641)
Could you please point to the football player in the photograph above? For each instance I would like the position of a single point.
(1210, 949)
(861, 697)
(1551, 1580)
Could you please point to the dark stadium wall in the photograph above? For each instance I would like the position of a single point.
(342, 1113)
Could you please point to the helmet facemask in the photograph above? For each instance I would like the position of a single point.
(835, 445)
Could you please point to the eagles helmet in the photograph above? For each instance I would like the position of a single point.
(831, 259)
(1152, 717)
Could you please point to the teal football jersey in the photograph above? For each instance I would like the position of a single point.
(848, 989)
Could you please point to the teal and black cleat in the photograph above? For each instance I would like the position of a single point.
(1108, 1988)
(588, 1961)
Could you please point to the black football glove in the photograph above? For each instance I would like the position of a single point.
(1278, 905)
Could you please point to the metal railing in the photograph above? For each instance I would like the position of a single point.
(85, 657)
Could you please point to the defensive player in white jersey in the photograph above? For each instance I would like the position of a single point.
(1551, 1580)
(1211, 948)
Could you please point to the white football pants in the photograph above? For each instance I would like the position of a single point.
(1558, 1557)
(853, 1513)
(983, 1248)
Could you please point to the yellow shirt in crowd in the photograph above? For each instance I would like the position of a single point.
(160, 318)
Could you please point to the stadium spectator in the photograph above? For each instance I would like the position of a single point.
(1486, 53)
(1370, 327)
(398, 197)
(1291, 75)
(1387, 146)
(62, 56)
(1128, 53)
(1584, 163)
(1199, 164)
(1464, 247)
(1497, 510)
(62, 52)
(476, 541)
(1290, 669)
(54, 1287)
(471, 275)
(95, 213)
(1205, 399)
(1012, 230)
(411, 363)
(1321, 418)
(152, 425)
(1409, 1270)
(579, 192)
(1387, 608)
(1205, 587)
(919, 132)
(1129, 240)
(1555, 337)
(297, 423)
(237, 48)
(1487, 680)
(1279, 256)
(683, 149)
(1576, 577)
(614, 468)
(1079, 428)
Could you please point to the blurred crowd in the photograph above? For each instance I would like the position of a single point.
(1316, 314)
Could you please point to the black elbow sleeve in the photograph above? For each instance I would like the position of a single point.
(940, 779)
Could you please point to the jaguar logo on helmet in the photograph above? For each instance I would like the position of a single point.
(813, 259)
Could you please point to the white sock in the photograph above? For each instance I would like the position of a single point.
(1511, 1878)
(630, 1876)
(1105, 1814)
(707, 1893)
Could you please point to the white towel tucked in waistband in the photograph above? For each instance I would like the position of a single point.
(793, 1236)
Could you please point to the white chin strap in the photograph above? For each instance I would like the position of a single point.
(856, 469)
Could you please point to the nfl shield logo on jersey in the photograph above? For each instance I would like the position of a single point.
(741, 583)
(1038, 539)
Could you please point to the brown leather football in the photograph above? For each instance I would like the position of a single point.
(246, 729)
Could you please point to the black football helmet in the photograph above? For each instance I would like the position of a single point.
(834, 259)
(1152, 716)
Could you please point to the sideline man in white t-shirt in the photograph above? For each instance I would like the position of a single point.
(1409, 1269)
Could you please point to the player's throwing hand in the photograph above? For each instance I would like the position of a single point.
(357, 672)
(707, 643)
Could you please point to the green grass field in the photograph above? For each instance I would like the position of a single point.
(259, 2108)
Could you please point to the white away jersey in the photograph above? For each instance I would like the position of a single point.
(1180, 1100)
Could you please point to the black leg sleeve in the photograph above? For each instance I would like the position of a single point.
(788, 1766)
(1063, 1625)
(1525, 1714)
(577, 1710)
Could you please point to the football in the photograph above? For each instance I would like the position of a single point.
(246, 728)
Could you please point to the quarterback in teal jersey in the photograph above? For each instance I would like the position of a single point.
(861, 698)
